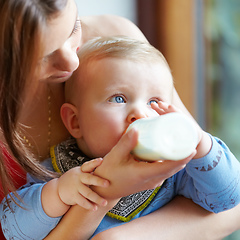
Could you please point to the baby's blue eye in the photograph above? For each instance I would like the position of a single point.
(152, 101)
(117, 99)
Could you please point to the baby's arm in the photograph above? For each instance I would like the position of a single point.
(26, 219)
(73, 188)
(214, 180)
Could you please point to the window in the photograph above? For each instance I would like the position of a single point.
(201, 41)
(222, 34)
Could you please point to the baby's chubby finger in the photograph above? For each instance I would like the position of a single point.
(159, 107)
(93, 180)
(85, 203)
(90, 166)
(91, 196)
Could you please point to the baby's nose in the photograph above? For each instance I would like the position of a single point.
(135, 115)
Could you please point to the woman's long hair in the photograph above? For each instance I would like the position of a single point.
(23, 23)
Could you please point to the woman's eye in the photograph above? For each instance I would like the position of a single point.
(77, 27)
(117, 99)
(152, 101)
(43, 60)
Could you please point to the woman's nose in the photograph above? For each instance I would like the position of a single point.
(66, 59)
(135, 115)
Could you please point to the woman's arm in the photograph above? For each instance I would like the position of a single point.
(79, 223)
(128, 176)
(180, 219)
(92, 26)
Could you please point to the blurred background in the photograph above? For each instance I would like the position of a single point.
(201, 42)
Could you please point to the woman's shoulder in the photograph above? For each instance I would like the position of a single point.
(104, 25)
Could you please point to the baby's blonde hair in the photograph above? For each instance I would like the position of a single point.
(118, 47)
(121, 47)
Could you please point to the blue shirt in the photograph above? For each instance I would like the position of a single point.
(212, 182)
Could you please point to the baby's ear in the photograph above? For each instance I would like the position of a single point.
(69, 115)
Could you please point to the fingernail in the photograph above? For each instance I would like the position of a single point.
(104, 203)
(105, 183)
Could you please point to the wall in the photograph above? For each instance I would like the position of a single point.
(125, 8)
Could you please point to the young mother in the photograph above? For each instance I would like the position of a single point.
(38, 44)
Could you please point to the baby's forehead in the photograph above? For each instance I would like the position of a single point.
(111, 67)
(89, 62)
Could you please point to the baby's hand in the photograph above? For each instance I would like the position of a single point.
(163, 108)
(73, 186)
(204, 142)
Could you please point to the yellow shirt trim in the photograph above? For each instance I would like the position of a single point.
(54, 161)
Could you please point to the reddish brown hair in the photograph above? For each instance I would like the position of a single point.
(23, 23)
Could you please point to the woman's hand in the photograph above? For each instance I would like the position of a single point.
(128, 176)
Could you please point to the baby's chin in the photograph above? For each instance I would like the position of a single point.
(99, 151)
(98, 154)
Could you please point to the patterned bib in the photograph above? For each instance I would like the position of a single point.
(67, 155)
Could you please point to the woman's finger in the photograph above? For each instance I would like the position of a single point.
(125, 145)
(153, 172)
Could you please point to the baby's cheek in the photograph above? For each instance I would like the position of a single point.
(114, 133)
(104, 141)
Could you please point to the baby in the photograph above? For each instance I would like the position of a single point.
(120, 80)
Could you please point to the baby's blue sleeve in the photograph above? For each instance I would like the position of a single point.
(213, 181)
(28, 221)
